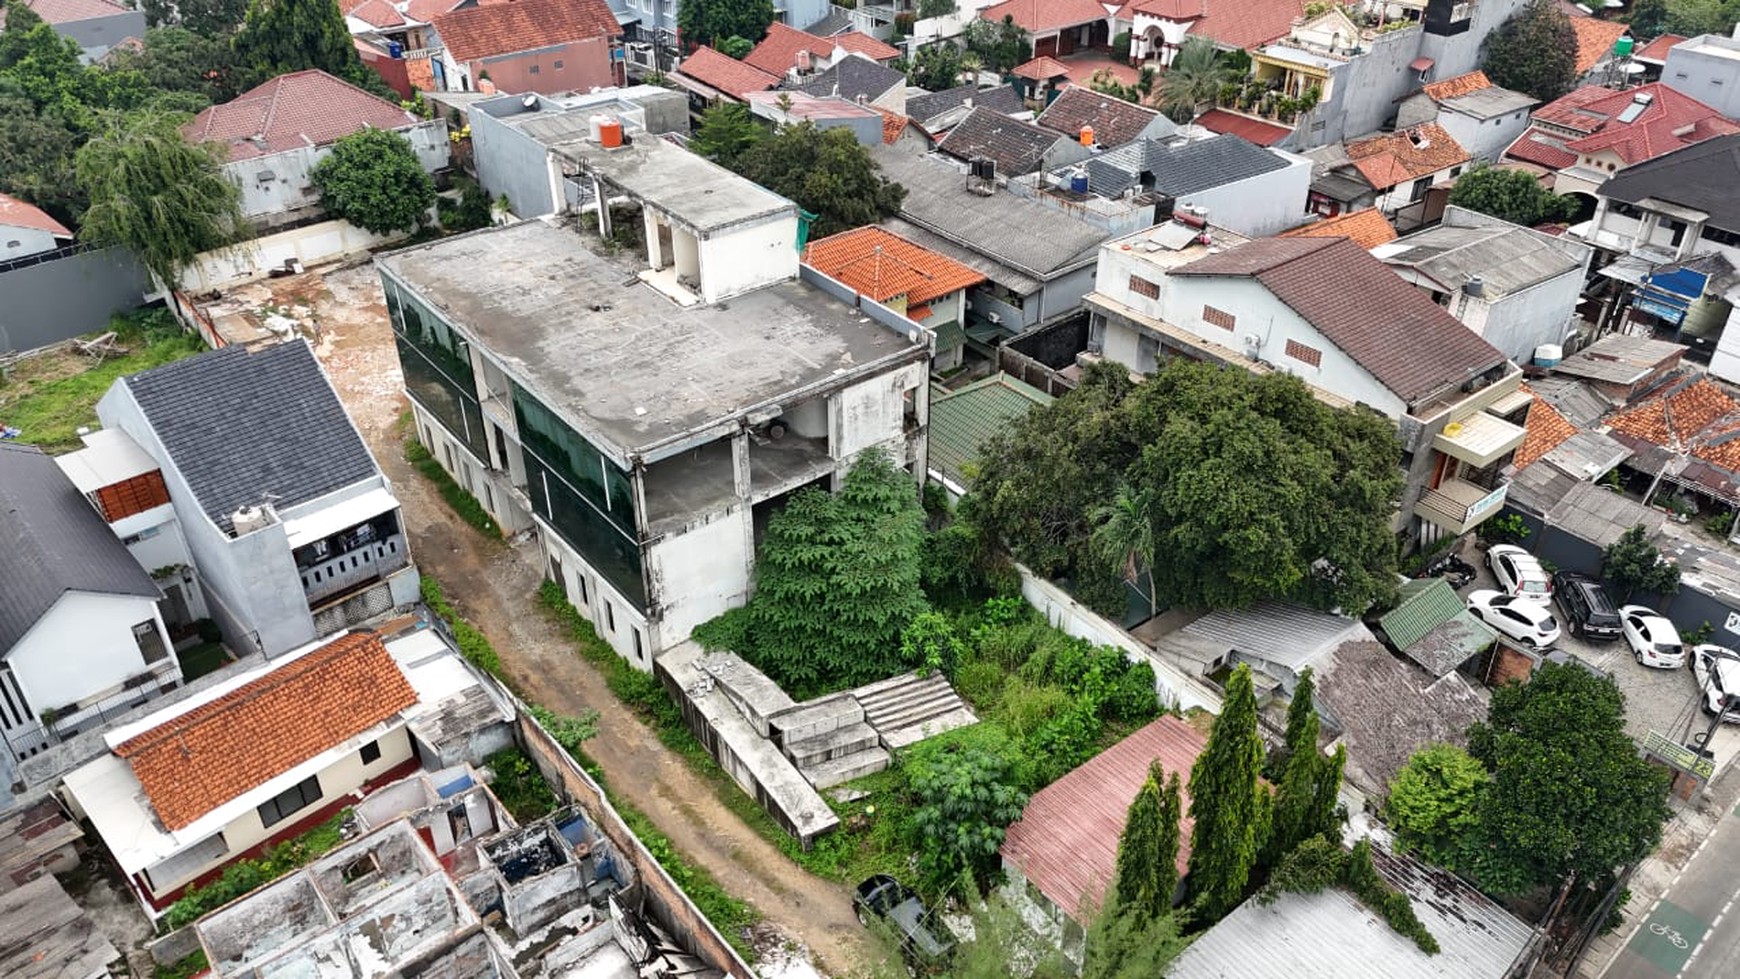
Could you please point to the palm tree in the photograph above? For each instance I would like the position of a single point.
(1194, 77)
(1124, 535)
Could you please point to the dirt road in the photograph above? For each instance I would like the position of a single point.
(492, 585)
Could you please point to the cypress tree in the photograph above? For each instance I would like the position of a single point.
(1166, 867)
(1224, 803)
(1297, 797)
(1322, 819)
(1139, 850)
(1302, 709)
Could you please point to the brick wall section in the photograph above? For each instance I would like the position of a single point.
(662, 899)
(1509, 664)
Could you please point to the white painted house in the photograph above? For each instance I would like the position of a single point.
(81, 639)
(292, 528)
(26, 230)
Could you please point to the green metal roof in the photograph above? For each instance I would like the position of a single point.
(963, 420)
(1431, 626)
(949, 336)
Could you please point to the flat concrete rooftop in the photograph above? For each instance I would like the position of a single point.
(690, 188)
(629, 367)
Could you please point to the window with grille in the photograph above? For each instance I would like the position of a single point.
(1142, 287)
(1219, 317)
(291, 801)
(1304, 354)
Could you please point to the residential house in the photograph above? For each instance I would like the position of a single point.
(712, 76)
(1280, 304)
(1042, 79)
(1403, 166)
(866, 123)
(94, 25)
(27, 230)
(1038, 262)
(1516, 287)
(1653, 57)
(1367, 228)
(1065, 845)
(1245, 127)
(794, 55)
(1055, 27)
(81, 638)
(180, 793)
(963, 419)
(646, 440)
(858, 79)
(50, 934)
(1706, 67)
(1012, 146)
(1683, 435)
(1331, 933)
(1673, 229)
(1099, 120)
(938, 112)
(396, 39)
(273, 134)
(1483, 118)
(1598, 61)
(542, 46)
(1432, 627)
(1589, 135)
(924, 286)
(1158, 27)
(1619, 368)
(1383, 708)
(512, 137)
(292, 527)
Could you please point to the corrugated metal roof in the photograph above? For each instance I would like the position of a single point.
(1424, 604)
(1278, 632)
(962, 421)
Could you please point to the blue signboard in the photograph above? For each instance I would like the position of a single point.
(1667, 311)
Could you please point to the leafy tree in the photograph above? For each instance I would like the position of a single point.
(935, 8)
(1534, 52)
(1569, 794)
(1694, 17)
(177, 59)
(836, 583)
(156, 194)
(1433, 801)
(211, 18)
(1513, 195)
(36, 156)
(827, 172)
(281, 36)
(736, 46)
(1648, 19)
(965, 793)
(930, 640)
(1193, 79)
(1125, 943)
(999, 47)
(1224, 802)
(1314, 529)
(726, 132)
(935, 68)
(712, 21)
(1124, 535)
(1139, 878)
(1635, 564)
(374, 180)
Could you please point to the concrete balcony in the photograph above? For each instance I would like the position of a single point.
(340, 573)
(1458, 506)
(1479, 440)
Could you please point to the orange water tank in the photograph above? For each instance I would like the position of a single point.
(1087, 135)
(610, 133)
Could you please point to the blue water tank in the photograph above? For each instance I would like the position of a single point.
(395, 49)
(1078, 182)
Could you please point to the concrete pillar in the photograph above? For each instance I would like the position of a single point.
(686, 252)
(654, 256)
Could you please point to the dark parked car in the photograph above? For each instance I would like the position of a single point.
(924, 946)
(1588, 611)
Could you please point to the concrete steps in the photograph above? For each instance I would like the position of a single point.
(845, 768)
(909, 708)
(840, 741)
(815, 718)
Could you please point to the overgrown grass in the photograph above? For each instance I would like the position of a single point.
(49, 410)
(244, 875)
(462, 502)
(190, 966)
(473, 644)
(520, 786)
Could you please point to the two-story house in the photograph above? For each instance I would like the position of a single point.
(1326, 311)
(1403, 166)
(646, 416)
(923, 285)
(1707, 68)
(1483, 118)
(81, 639)
(293, 529)
(544, 46)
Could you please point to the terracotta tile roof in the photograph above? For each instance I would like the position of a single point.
(427, 10)
(378, 13)
(1545, 430)
(1233, 23)
(220, 750)
(303, 108)
(725, 73)
(1066, 841)
(857, 42)
(1657, 50)
(1541, 148)
(1255, 130)
(1041, 68)
(778, 51)
(1695, 416)
(1420, 151)
(1114, 121)
(508, 28)
(884, 266)
(1595, 39)
(1367, 228)
(892, 126)
(15, 213)
(1590, 115)
(1406, 341)
(1040, 16)
(72, 11)
(1449, 88)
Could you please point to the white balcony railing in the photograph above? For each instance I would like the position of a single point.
(342, 572)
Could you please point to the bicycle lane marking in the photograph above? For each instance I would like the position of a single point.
(1668, 937)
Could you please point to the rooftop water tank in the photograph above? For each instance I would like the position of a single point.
(1078, 181)
(1549, 355)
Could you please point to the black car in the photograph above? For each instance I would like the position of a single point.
(881, 896)
(1588, 611)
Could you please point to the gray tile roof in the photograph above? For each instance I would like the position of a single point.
(923, 108)
(836, 21)
(1701, 176)
(1029, 237)
(1507, 258)
(1197, 166)
(854, 76)
(55, 542)
(246, 427)
(1114, 121)
(1017, 147)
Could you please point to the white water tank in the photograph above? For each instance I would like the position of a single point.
(248, 519)
(1549, 355)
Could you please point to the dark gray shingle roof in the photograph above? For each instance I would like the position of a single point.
(923, 108)
(1702, 176)
(246, 427)
(1195, 167)
(1017, 147)
(853, 77)
(55, 542)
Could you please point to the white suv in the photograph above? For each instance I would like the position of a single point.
(1519, 574)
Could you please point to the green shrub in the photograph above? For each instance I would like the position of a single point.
(520, 786)
(473, 645)
(1026, 705)
(194, 964)
(462, 502)
(980, 684)
(244, 875)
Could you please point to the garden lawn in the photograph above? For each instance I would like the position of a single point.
(200, 660)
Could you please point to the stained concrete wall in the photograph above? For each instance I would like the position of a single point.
(56, 300)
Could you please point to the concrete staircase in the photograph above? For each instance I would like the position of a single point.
(829, 741)
(908, 708)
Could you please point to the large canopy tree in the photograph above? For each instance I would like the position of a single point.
(827, 172)
(714, 21)
(150, 191)
(1513, 195)
(1255, 489)
(1534, 52)
(280, 36)
(374, 180)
